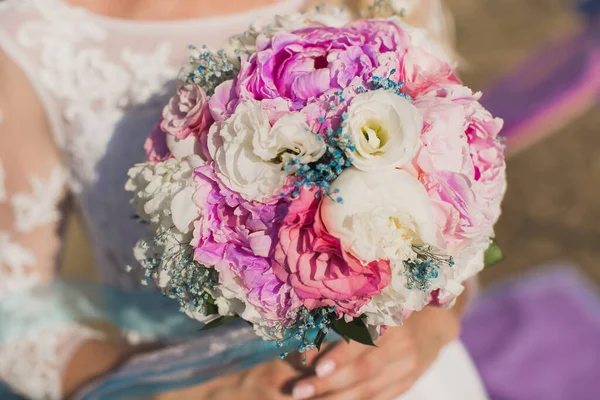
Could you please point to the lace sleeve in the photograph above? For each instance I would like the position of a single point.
(32, 184)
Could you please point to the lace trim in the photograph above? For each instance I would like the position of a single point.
(40, 207)
(95, 90)
(16, 266)
(42, 359)
(151, 70)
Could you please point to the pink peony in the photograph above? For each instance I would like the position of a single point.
(457, 208)
(313, 263)
(156, 145)
(485, 148)
(444, 141)
(187, 113)
(304, 64)
(223, 101)
(422, 71)
(461, 163)
(236, 238)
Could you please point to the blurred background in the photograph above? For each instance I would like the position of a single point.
(534, 331)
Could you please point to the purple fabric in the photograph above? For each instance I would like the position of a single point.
(555, 85)
(538, 337)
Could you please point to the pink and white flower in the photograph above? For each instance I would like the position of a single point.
(343, 170)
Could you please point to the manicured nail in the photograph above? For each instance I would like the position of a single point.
(303, 391)
(325, 368)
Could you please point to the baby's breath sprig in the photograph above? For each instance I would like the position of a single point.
(190, 283)
(424, 268)
(207, 69)
(383, 8)
(309, 329)
(339, 147)
(245, 43)
(322, 173)
(387, 83)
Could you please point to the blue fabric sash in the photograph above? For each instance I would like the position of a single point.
(187, 356)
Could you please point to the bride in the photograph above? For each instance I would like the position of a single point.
(81, 84)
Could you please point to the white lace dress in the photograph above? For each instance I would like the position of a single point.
(102, 83)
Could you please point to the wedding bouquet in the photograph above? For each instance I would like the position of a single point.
(319, 174)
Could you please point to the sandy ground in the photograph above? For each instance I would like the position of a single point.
(553, 200)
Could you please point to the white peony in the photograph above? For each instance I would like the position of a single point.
(385, 129)
(163, 193)
(395, 301)
(230, 301)
(250, 155)
(382, 214)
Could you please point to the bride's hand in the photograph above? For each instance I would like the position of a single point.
(352, 371)
(268, 381)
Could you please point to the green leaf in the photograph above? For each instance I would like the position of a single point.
(218, 322)
(210, 309)
(353, 330)
(319, 339)
(493, 255)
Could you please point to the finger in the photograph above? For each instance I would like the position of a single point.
(395, 390)
(271, 375)
(383, 386)
(341, 354)
(369, 365)
(337, 367)
(308, 360)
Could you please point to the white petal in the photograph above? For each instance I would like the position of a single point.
(394, 192)
(385, 128)
(183, 210)
(183, 148)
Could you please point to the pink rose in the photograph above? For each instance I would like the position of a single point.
(187, 113)
(156, 145)
(311, 261)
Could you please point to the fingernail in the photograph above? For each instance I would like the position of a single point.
(325, 368)
(303, 391)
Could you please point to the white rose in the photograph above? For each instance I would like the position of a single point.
(289, 138)
(385, 129)
(381, 216)
(236, 164)
(250, 155)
